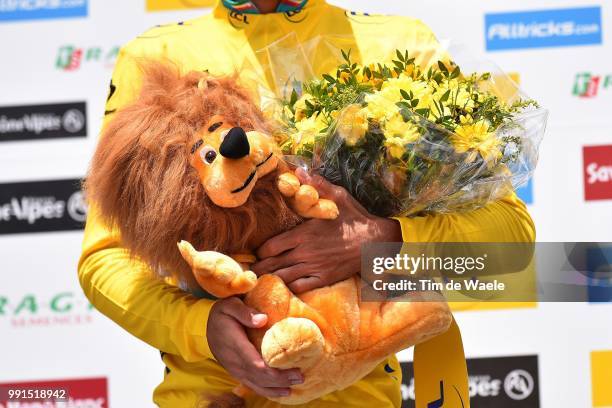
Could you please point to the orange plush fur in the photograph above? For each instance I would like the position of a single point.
(141, 179)
(150, 178)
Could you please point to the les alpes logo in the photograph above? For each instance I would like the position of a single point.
(588, 85)
(597, 162)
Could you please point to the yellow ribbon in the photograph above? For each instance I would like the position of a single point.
(440, 372)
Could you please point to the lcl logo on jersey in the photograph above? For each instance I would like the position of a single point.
(597, 163)
(40, 206)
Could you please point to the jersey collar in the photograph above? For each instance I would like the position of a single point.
(248, 7)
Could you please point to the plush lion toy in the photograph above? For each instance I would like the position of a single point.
(191, 162)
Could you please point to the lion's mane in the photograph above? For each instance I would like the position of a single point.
(141, 182)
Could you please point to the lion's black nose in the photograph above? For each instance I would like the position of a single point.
(235, 145)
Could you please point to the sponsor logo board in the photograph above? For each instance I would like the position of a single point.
(15, 10)
(543, 28)
(35, 309)
(497, 382)
(40, 206)
(49, 121)
(71, 58)
(597, 163)
(590, 85)
(601, 373)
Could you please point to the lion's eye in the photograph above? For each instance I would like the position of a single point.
(214, 126)
(208, 155)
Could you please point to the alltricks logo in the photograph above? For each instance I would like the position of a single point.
(14, 10)
(597, 163)
(525, 192)
(543, 28)
(588, 85)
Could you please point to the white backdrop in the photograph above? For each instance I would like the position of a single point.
(47, 329)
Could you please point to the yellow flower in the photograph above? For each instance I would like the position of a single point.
(466, 119)
(396, 146)
(409, 70)
(476, 138)
(380, 106)
(344, 76)
(397, 127)
(300, 106)
(420, 89)
(307, 130)
(352, 124)
(459, 95)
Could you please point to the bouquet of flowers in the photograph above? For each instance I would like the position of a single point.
(404, 139)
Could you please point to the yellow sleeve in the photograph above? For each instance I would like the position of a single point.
(505, 220)
(123, 288)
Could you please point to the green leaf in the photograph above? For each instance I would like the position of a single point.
(423, 112)
(445, 96)
(294, 97)
(415, 102)
(402, 104)
(442, 67)
(456, 72)
(329, 78)
(405, 94)
(399, 55)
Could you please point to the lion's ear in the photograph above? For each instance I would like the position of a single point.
(203, 84)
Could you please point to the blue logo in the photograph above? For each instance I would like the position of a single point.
(543, 28)
(525, 193)
(13, 10)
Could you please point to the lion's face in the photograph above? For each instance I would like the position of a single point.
(229, 160)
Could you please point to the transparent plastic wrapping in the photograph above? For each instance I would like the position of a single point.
(407, 135)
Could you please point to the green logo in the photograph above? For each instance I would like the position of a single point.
(587, 85)
(71, 58)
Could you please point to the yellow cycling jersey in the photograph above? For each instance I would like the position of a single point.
(224, 42)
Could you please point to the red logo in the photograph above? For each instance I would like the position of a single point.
(87, 392)
(597, 172)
